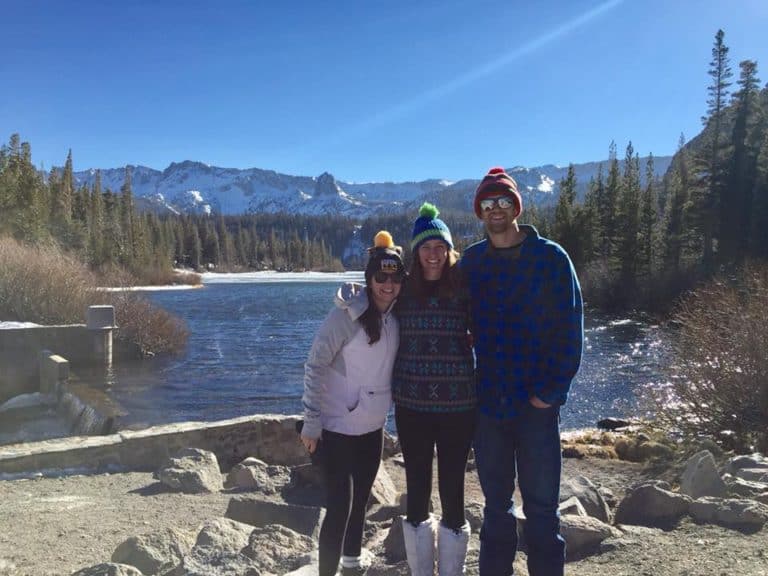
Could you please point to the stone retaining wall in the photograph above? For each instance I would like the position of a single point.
(269, 437)
(20, 354)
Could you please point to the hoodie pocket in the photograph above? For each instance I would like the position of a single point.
(374, 402)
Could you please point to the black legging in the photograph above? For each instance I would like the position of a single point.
(350, 465)
(419, 433)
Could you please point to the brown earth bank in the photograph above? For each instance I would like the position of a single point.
(55, 526)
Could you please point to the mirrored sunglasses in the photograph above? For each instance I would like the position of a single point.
(503, 202)
(382, 277)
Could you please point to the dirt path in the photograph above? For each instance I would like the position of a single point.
(54, 526)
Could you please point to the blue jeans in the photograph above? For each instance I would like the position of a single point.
(528, 444)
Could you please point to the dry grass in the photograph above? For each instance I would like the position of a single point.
(46, 286)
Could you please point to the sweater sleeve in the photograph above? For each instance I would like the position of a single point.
(329, 340)
(564, 333)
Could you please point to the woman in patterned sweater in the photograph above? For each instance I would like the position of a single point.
(433, 389)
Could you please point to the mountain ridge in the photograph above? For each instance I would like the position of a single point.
(191, 186)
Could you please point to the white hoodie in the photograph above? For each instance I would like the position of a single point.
(348, 382)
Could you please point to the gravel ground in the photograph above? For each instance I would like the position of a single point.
(54, 526)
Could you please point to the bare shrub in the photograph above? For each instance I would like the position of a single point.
(719, 381)
(151, 329)
(46, 286)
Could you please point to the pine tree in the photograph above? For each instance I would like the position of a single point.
(713, 190)
(126, 219)
(629, 220)
(564, 231)
(96, 237)
(609, 205)
(736, 214)
(649, 222)
(677, 184)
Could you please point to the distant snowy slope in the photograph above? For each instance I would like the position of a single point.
(194, 187)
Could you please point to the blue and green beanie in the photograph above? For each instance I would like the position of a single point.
(428, 227)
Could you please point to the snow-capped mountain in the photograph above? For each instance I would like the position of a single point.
(194, 187)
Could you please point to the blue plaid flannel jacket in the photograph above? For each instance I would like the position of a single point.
(527, 323)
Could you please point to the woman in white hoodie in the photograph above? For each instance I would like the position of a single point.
(347, 395)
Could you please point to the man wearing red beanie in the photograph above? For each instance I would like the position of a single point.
(527, 324)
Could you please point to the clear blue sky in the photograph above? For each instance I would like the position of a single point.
(369, 90)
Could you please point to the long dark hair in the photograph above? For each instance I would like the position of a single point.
(449, 284)
(371, 319)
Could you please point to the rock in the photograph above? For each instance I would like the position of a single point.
(651, 450)
(384, 513)
(207, 561)
(107, 569)
(474, 515)
(571, 506)
(154, 551)
(255, 474)
(613, 423)
(394, 545)
(753, 474)
(584, 534)
(192, 471)
(588, 494)
(276, 549)
(701, 478)
(391, 446)
(733, 513)
(746, 461)
(629, 536)
(383, 491)
(224, 534)
(739, 487)
(652, 504)
(711, 446)
(257, 512)
(608, 496)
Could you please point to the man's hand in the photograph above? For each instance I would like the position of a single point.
(537, 402)
(309, 443)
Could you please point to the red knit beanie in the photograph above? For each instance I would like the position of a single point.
(497, 183)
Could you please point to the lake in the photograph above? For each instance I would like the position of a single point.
(250, 334)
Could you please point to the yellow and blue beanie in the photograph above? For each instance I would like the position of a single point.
(428, 227)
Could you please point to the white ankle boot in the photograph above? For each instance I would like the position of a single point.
(452, 550)
(420, 546)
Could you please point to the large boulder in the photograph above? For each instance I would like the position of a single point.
(224, 534)
(584, 534)
(259, 513)
(257, 475)
(652, 504)
(192, 471)
(734, 513)
(154, 551)
(588, 494)
(276, 549)
(701, 478)
(107, 569)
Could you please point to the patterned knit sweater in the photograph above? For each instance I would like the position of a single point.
(434, 367)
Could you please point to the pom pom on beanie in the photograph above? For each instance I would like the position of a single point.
(428, 226)
(497, 183)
